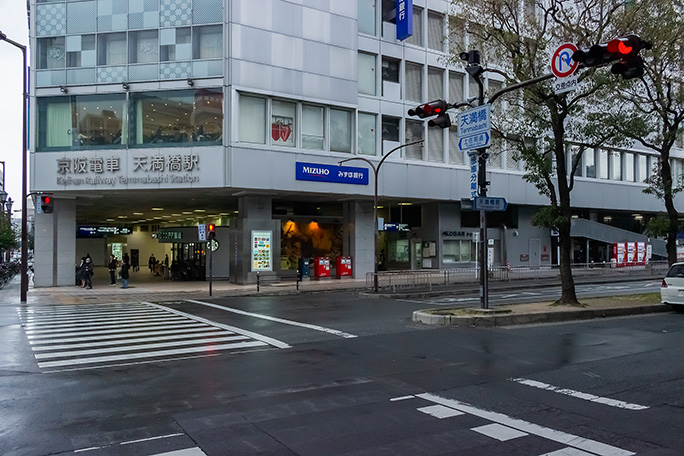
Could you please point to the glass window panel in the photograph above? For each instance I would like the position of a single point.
(367, 138)
(390, 128)
(252, 119)
(455, 87)
(629, 167)
(112, 49)
(574, 159)
(366, 16)
(414, 82)
(390, 70)
(81, 122)
(616, 165)
(208, 42)
(366, 76)
(179, 117)
(144, 47)
(642, 168)
(417, 37)
(589, 163)
(313, 127)
(456, 35)
(435, 81)
(51, 53)
(414, 132)
(435, 145)
(603, 164)
(340, 130)
(435, 31)
(455, 154)
(466, 250)
(283, 123)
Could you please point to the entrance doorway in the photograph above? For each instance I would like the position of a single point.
(534, 253)
(189, 261)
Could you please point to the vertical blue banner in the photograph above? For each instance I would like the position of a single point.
(404, 19)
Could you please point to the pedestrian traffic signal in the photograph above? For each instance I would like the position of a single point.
(433, 108)
(625, 49)
(211, 228)
(46, 204)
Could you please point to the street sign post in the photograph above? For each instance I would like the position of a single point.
(475, 128)
(490, 204)
(563, 67)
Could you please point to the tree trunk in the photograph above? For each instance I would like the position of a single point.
(672, 215)
(568, 295)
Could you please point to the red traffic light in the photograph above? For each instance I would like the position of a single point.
(620, 46)
(46, 200)
(46, 205)
(211, 227)
(430, 109)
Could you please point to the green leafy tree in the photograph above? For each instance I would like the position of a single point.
(8, 235)
(652, 112)
(519, 38)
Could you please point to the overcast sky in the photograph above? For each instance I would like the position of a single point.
(14, 24)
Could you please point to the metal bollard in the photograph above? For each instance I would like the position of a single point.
(258, 280)
(298, 278)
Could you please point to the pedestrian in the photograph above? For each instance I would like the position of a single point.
(151, 262)
(112, 269)
(166, 261)
(79, 273)
(87, 273)
(381, 261)
(135, 263)
(124, 273)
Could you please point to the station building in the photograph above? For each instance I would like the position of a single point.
(149, 118)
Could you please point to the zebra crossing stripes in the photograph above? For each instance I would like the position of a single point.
(100, 335)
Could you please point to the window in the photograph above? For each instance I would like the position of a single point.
(414, 82)
(282, 123)
(435, 30)
(589, 163)
(390, 128)
(642, 168)
(252, 119)
(603, 163)
(455, 154)
(455, 87)
(313, 127)
(81, 122)
(417, 37)
(111, 49)
(207, 42)
(435, 149)
(366, 76)
(143, 47)
(615, 165)
(435, 84)
(629, 167)
(367, 134)
(414, 132)
(81, 51)
(51, 53)
(175, 44)
(340, 130)
(366, 16)
(575, 160)
(458, 251)
(390, 70)
(456, 35)
(177, 118)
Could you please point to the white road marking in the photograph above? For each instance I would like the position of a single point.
(253, 335)
(100, 343)
(579, 394)
(574, 441)
(499, 432)
(439, 411)
(195, 451)
(65, 327)
(277, 320)
(121, 338)
(568, 452)
(188, 452)
(98, 328)
(119, 331)
(136, 363)
(402, 398)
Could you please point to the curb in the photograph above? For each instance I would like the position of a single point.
(488, 321)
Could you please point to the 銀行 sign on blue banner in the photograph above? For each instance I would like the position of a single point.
(404, 19)
(331, 173)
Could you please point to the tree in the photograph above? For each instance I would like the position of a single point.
(653, 108)
(8, 235)
(521, 40)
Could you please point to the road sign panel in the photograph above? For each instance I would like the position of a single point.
(486, 203)
(473, 174)
(202, 232)
(476, 120)
(562, 85)
(562, 64)
(476, 141)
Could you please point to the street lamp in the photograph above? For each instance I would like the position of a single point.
(376, 170)
(24, 211)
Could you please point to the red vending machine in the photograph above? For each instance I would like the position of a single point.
(321, 267)
(343, 267)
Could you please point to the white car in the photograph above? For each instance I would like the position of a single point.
(672, 288)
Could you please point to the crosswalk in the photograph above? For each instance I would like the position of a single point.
(66, 337)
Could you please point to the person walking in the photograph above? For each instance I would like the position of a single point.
(79, 273)
(88, 273)
(112, 270)
(152, 262)
(124, 273)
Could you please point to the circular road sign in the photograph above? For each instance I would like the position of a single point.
(213, 245)
(562, 64)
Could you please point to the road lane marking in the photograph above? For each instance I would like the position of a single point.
(402, 398)
(439, 411)
(499, 432)
(277, 320)
(579, 394)
(574, 441)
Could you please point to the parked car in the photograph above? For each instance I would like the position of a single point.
(672, 288)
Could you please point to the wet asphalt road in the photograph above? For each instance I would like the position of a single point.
(332, 374)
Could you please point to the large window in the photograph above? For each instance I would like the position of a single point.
(51, 53)
(435, 84)
(458, 251)
(208, 42)
(180, 117)
(367, 134)
(81, 122)
(366, 73)
(414, 82)
(390, 128)
(629, 167)
(366, 15)
(603, 163)
(435, 30)
(143, 47)
(340, 130)
(414, 132)
(252, 119)
(283, 123)
(590, 162)
(313, 127)
(417, 37)
(111, 49)
(642, 168)
(615, 165)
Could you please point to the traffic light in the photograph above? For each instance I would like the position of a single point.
(434, 108)
(211, 228)
(46, 204)
(627, 48)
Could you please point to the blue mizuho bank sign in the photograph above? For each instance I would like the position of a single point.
(331, 173)
(404, 19)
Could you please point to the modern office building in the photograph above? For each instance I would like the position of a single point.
(151, 117)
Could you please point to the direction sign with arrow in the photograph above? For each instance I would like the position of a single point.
(489, 204)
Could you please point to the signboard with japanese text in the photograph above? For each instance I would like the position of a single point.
(474, 128)
(331, 173)
(262, 246)
(102, 231)
(404, 19)
(473, 174)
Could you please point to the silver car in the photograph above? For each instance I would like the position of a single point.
(672, 288)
